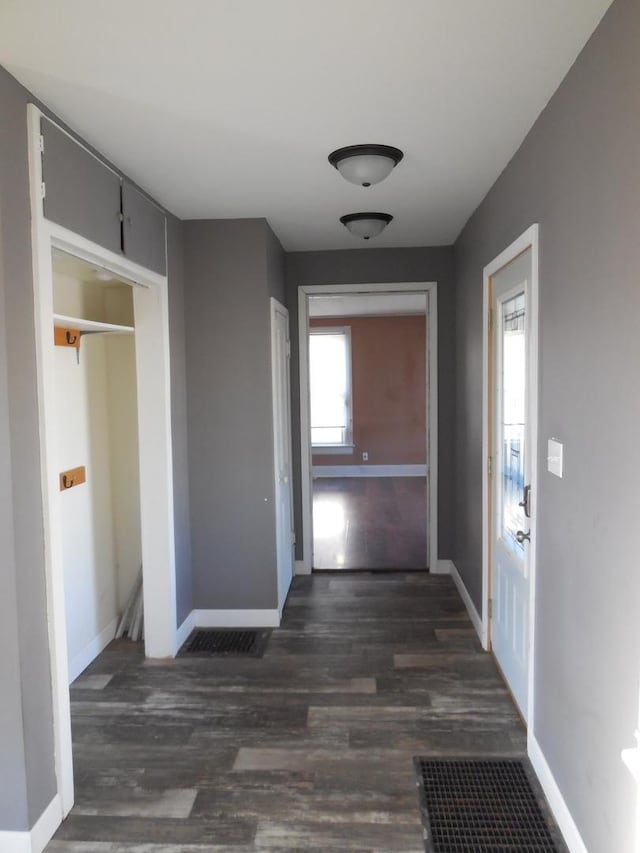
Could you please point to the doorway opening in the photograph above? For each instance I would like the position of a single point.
(510, 438)
(369, 426)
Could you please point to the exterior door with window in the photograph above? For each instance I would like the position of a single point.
(512, 460)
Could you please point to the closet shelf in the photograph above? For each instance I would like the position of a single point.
(90, 325)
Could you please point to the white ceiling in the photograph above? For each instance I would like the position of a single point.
(229, 108)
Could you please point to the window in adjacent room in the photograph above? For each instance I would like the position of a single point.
(330, 385)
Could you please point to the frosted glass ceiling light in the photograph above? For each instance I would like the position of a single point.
(366, 225)
(365, 165)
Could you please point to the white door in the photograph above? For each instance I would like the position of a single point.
(281, 388)
(513, 462)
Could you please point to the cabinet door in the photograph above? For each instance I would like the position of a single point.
(81, 193)
(144, 237)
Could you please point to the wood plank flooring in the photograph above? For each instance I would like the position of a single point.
(309, 748)
(370, 523)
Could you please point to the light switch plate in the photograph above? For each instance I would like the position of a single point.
(555, 451)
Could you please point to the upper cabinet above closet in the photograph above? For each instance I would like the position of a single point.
(143, 230)
(80, 193)
(83, 194)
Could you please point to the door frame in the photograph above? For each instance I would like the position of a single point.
(528, 240)
(430, 290)
(151, 312)
(277, 307)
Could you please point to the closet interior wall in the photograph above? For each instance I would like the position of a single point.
(96, 427)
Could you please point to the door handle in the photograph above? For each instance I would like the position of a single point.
(525, 503)
(521, 536)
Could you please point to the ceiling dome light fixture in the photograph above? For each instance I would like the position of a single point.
(366, 225)
(365, 165)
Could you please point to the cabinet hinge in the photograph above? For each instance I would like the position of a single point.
(490, 608)
(43, 190)
(490, 466)
(41, 143)
(293, 538)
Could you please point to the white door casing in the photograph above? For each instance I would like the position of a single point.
(281, 402)
(430, 290)
(510, 460)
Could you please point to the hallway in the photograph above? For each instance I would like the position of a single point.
(308, 748)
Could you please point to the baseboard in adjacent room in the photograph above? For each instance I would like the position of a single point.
(236, 618)
(369, 471)
(82, 660)
(556, 801)
(36, 839)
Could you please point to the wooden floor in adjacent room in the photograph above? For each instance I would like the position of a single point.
(309, 748)
(369, 523)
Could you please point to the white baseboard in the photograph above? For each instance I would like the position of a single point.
(301, 568)
(36, 839)
(226, 619)
(15, 842)
(82, 660)
(369, 471)
(442, 567)
(183, 631)
(554, 797)
(475, 617)
(236, 618)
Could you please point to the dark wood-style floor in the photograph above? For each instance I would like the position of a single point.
(370, 523)
(309, 748)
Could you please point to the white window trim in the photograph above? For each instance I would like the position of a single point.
(346, 446)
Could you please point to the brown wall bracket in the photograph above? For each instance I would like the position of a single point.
(66, 337)
(72, 477)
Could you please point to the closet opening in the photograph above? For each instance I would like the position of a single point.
(95, 402)
(119, 292)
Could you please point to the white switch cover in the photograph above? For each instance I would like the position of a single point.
(554, 457)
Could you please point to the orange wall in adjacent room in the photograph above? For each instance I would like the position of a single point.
(388, 357)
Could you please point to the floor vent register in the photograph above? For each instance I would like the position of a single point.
(483, 806)
(216, 642)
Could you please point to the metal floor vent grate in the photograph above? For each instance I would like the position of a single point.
(481, 806)
(207, 642)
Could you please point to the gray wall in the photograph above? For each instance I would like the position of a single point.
(13, 805)
(358, 266)
(232, 268)
(578, 175)
(275, 266)
(175, 271)
(27, 777)
(23, 562)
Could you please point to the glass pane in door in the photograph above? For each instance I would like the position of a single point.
(513, 419)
